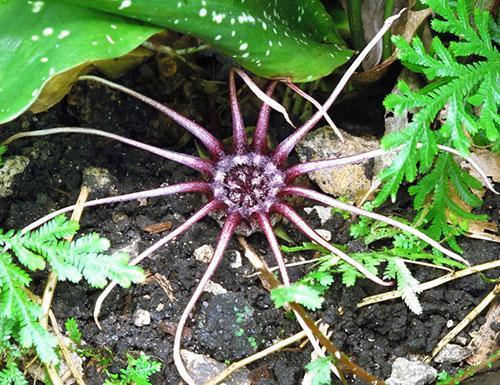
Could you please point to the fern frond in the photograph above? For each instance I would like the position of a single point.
(407, 284)
(435, 192)
(466, 97)
(12, 375)
(17, 306)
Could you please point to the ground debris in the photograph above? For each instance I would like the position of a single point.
(405, 372)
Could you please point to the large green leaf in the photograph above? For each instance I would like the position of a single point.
(291, 39)
(40, 39)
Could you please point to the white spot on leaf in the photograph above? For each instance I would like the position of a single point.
(64, 33)
(48, 31)
(37, 6)
(125, 4)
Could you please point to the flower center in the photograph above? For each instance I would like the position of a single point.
(247, 183)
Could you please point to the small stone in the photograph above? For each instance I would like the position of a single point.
(214, 288)
(142, 318)
(351, 181)
(461, 340)
(449, 323)
(452, 354)
(237, 263)
(405, 372)
(325, 234)
(12, 166)
(203, 369)
(99, 180)
(204, 253)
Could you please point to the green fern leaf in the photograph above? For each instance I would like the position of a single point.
(407, 284)
(11, 375)
(466, 93)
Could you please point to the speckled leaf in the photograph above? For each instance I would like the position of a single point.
(293, 39)
(40, 39)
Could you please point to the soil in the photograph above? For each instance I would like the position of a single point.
(226, 327)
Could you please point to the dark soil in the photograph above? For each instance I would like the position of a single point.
(227, 327)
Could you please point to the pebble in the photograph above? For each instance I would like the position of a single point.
(203, 369)
(405, 372)
(13, 166)
(142, 318)
(452, 354)
(204, 253)
(214, 288)
(325, 234)
(99, 180)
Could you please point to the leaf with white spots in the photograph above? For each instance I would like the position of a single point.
(283, 39)
(294, 39)
(41, 39)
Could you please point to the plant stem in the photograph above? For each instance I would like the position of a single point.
(386, 40)
(355, 24)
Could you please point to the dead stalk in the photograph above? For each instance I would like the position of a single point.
(431, 284)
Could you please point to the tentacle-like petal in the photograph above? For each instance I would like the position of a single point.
(227, 231)
(187, 160)
(259, 143)
(211, 143)
(262, 96)
(318, 105)
(285, 147)
(180, 188)
(306, 167)
(267, 228)
(325, 199)
(239, 136)
(200, 214)
(295, 218)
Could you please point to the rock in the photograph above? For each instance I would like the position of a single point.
(204, 253)
(237, 263)
(214, 288)
(452, 354)
(142, 318)
(405, 372)
(325, 234)
(203, 368)
(351, 181)
(13, 166)
(99, 180)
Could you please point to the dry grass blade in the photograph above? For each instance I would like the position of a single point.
(254, 357)
(431, 284)
(48, 295)
(462, 324)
